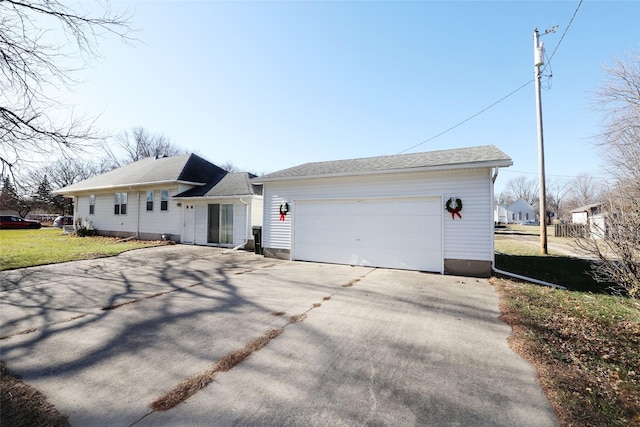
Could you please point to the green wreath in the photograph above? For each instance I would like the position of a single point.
(284, 209)
(454, 211)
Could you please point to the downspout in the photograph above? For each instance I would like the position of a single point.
(527, 279)
(126, 239)
(75, 213)
(245, 236)
(495, 175)
(138, 219)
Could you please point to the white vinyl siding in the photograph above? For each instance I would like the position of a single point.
(137, 219)
(469, 238)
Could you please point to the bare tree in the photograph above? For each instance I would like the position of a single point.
(585, 189)
(523, 188)
(65, 172)
(615, 239)
(140, 144)
(32, 63)
(557, 190)
(229, 166)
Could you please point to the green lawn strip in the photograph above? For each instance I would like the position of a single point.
(521, 258)
(27, 248)
(585, 346)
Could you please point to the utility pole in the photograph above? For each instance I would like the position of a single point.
(538, 53)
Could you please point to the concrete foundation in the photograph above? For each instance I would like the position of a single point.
(465, 267)
(277, 253)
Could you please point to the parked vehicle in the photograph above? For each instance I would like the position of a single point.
(10, 221)
(62, 221)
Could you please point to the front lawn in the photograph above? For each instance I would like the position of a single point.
(27, 248)
(584, 343)
(586, 348)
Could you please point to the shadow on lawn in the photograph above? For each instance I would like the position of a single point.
(572, 273)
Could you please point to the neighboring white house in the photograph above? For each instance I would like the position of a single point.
(182, 198)
(399, 211)
(594, 217)
(582, 214)
(501, 213)
(516, 212)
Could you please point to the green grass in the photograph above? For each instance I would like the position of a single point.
(585, 344)
(27, 248)
(516, 256)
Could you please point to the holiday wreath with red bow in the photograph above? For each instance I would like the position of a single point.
(454, 206)
(284, 209)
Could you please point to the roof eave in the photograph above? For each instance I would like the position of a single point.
(125, 186)
(231, 196)
(473, 165)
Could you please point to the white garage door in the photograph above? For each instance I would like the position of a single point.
(390, 233)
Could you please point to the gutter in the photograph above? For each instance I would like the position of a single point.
(527, 279)
(434, 168)
(71, 191)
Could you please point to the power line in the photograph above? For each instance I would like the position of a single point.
(563, 34)
(506, 96)
(468, 118)
(549, 174)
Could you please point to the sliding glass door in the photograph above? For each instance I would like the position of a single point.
(220, 228)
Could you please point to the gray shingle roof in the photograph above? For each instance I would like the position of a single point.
(186, 168)
(483, 156)
(232, 184)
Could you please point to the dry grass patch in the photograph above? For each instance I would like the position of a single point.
(23, 406)
(586, 348)
(193, 384)
(351, 283)
(297, 318)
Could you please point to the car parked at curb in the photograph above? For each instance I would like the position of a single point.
(61, 221)
(14, 222)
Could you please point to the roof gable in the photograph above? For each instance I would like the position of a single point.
(231, 184)
(186, 168)
(483, 156)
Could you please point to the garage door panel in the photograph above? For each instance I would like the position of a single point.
(389, 233)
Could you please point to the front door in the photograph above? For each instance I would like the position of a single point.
(188, 231)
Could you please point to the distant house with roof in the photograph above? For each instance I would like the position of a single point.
(594, 217)
(182, 198)
(517, 212)
(430, 211)
(582, 214)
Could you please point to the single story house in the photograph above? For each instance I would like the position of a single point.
(430, 211)
(594, 217)
(182, 198)
(517, 212)
(582, 214)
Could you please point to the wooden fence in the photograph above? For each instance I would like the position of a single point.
(570, 230)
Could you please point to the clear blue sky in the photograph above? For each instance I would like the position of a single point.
(269, 85)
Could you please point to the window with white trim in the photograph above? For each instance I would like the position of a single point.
(92, 204)
(164, 200)
(120, 204)
(149, 201)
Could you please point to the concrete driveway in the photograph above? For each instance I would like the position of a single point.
(105, 338)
